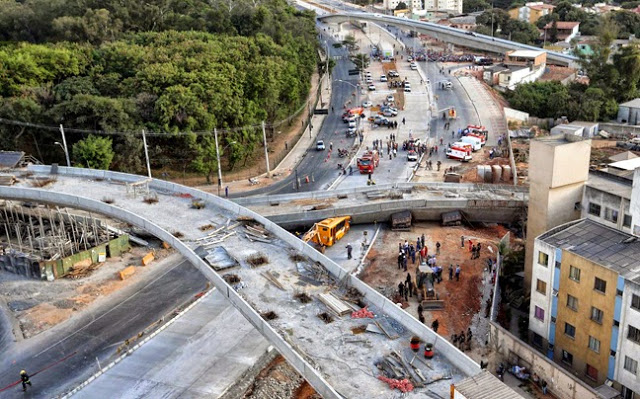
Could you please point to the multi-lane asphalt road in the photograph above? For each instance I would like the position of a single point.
(79, 344)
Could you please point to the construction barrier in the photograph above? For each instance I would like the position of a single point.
(127, 272)
(148, 258)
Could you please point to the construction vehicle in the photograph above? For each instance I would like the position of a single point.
(329, 231)
(368, 162)
(427, 295)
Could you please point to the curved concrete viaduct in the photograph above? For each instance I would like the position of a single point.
(452, 35)
(317, 350)
(487, 203)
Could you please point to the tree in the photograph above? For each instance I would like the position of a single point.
(205, 160)
(94, 152)
(349, 42)
(553, 32)
(401, 6)
(469, 6)
(361, 61)
(129, 154)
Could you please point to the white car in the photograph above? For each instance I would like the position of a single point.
(369, 81)
(414, 66)
(390, 98)
(367, 74)
(367, 104)
(407, 89)
(320, 145)
(372, 87)
(412, 156)
(383, 78)
(352, 124)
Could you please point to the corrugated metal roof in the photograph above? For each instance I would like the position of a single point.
(9, 159)
(485, 386)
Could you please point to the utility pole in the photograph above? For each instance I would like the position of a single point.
(146, 153)
(215, 136)
(64, 143)
(266, 153)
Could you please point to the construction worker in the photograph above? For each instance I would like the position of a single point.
(435, 325)
(349, 249)
(25, 380)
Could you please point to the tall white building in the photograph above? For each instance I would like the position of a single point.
(452, 6)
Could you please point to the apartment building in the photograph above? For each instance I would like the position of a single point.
(583, 291)
(531, 12)
(450, 6)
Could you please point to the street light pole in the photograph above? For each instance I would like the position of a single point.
(64, 145)
(215, 136)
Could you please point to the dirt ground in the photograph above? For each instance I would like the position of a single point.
(462, 298)
(39, 305)
(279, 380)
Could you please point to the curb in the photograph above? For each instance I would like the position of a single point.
(134, 348)
(364, 256)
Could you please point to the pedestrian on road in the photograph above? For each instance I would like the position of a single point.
(332, 109)
(400, 255)
(452, 134)
(412, 253)
(435, 325)
(438, 248)
(470, 245)
(403, 121)
(226, 191)
(401, 289)
(330, 146)
(349, 249)
(473, 252)
(409, 287)
(24, 377)
(438, 163)
(450, 272)
(405, 260)
(422, 239)
(457, 272)
(479, 247)
(421, 318)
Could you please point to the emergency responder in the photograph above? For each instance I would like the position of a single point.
(25, 380)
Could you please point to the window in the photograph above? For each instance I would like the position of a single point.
(635, 302)
(567, 357)
(537, 340)
(594, 344)
(634, 334)
(600, 285)
(592, 372)
(596, 315)
(543, 258)
(574, 273)
(630, 364)
(541, 287)
(539, 313)
(626, 221)
(611, 215)
(594, 209)
(569, 330)
(572, 302)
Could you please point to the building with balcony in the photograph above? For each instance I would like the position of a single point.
(531, 12)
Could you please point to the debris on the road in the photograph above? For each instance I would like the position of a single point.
(362, 314)
(272, 279)
(270, 315)
(335, 304)
(402, 385)
(326, 317)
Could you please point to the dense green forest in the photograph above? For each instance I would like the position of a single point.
(169, 66)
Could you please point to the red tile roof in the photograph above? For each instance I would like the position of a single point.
(562, 25)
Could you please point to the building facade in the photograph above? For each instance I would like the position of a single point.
(531, 12)
(585, 302)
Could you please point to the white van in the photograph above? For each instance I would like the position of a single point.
(474, 141)
(414, 66)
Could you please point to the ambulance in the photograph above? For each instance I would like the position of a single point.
(460, 151)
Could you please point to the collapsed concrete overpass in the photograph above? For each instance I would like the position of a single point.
(451, 35)
(487, 203)
(322, 353)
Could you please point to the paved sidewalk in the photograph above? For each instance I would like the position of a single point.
(202, 354)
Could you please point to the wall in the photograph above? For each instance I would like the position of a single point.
(560, 382)
(465, 364)
(605, 200)
(514, 114)
(557, 174)
(543, 301)
(634, 206)
(626, 347)
(581, 319)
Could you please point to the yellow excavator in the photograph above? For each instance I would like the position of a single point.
(329, 231)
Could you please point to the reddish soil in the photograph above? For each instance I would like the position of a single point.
(462, 298)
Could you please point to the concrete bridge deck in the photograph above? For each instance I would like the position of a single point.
(427, 201)
(335, 363)
(451, 35)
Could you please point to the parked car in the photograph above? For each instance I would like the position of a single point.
(367, 74)
(412, 156)
(369, 81)
(320, 145)
(383, 78)
(351, 131)
(407, 88)
(367, 104)
(394, 74)
(352, 123)
(414, 66)
(372, 87)
(390, 98)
